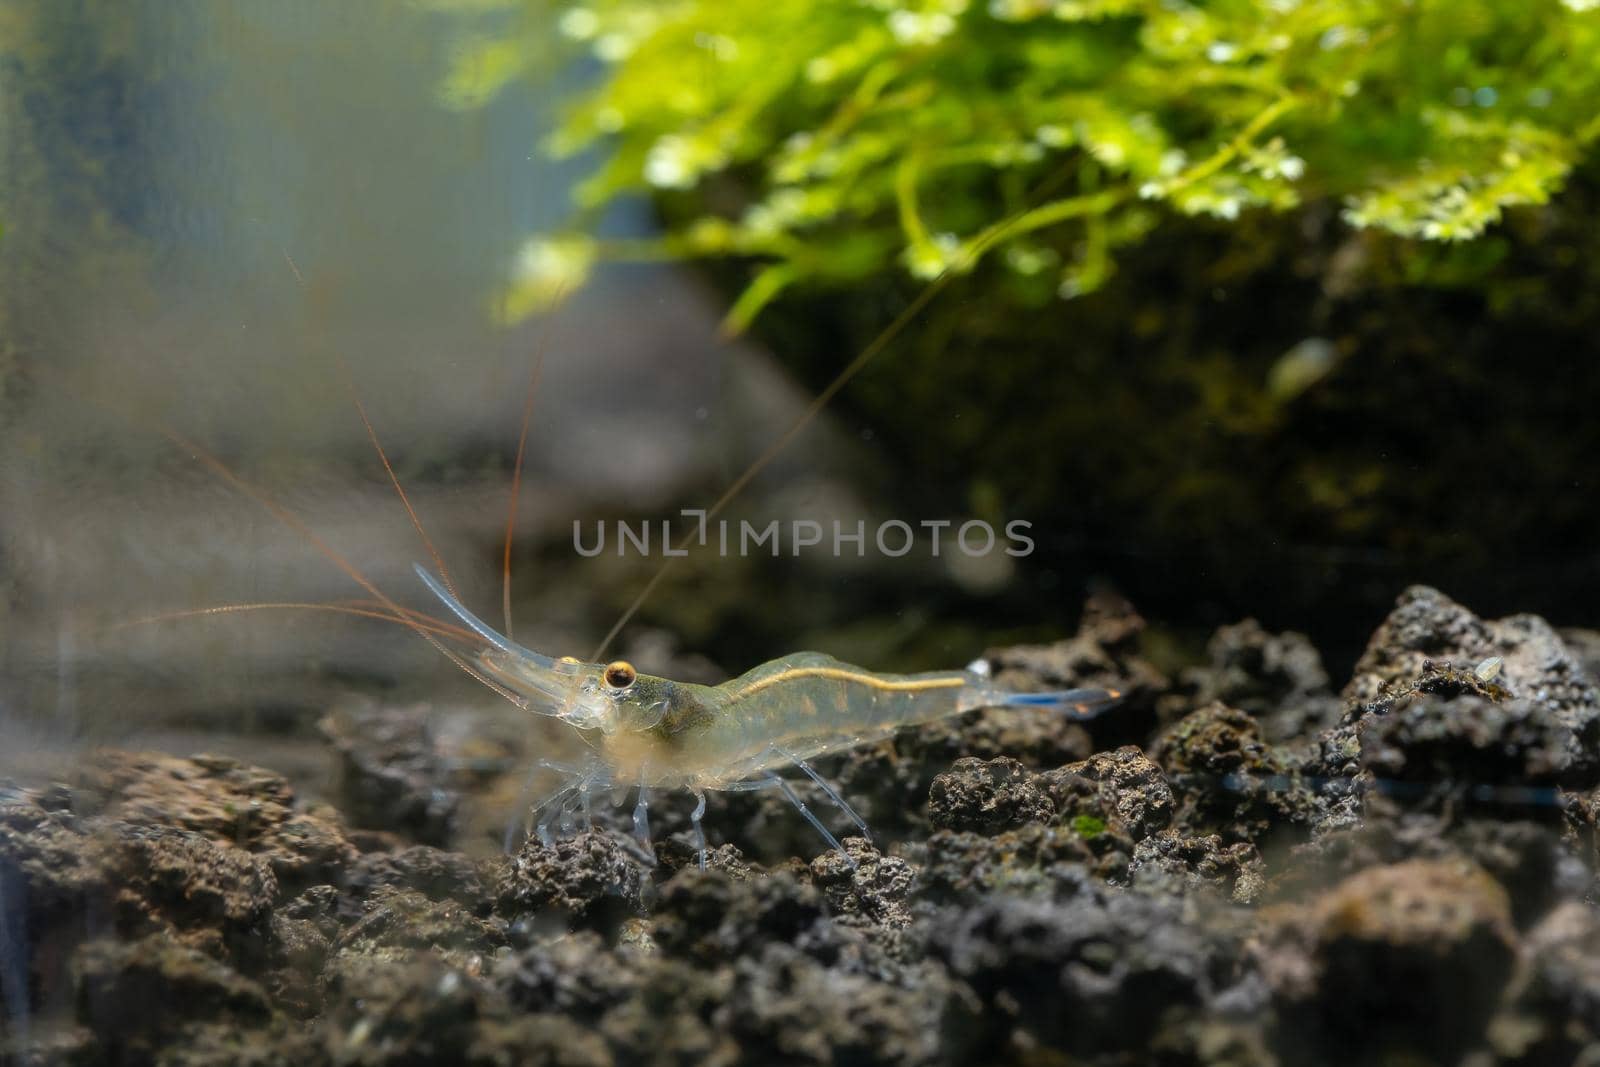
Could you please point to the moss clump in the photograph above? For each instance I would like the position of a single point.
(831, 144)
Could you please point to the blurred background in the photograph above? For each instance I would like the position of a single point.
(232, 221)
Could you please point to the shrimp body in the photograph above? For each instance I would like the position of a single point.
(793, 708)
(658, 733)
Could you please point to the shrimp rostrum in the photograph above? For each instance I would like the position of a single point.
(655, 734)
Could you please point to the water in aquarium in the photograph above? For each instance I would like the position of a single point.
(889, 532)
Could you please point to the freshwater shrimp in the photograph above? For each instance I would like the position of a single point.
(655, 733)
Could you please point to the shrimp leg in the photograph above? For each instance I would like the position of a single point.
(810, 816)
(526, 791)
(829, 791)
(554, 807)
(699, 831)
(557, 807)
(641, 820)
(773, 780)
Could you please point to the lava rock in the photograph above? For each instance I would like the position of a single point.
(786, 1007)
(1083, 975)
(1231, 782)
(1121, 786)
(1404, 959)
(988, 797)
(707, 917)
(1036, 860)
(437, 874)
(137, 994)
(1468, 751)
(220, 798)
(1277, 679)
(393, 773)
(1414, 880)
(1427, 627)
(1234, 871)
(401, 920)
(1552, 1014)
(576, 976)
(591, 879)
(863, 882)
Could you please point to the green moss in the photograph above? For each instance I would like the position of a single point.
(826, 144)
(1088, 827)
(1234, 282)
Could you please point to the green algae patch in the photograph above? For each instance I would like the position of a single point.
(1088, 827)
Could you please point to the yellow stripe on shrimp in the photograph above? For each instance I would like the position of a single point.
(851, 674)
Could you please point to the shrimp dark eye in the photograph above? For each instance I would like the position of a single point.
(620, 675)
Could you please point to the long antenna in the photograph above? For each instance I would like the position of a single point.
(534, 374)
(372, 435)
(867, 354)
(394, 480)
(297, 524)
(363, 609)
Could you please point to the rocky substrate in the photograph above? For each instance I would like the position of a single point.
(1237, 866)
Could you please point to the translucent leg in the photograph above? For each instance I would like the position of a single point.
(525, 821)
(641, 821)
(794, 798)
(831, 793)
(699, 831)
(554, 806)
